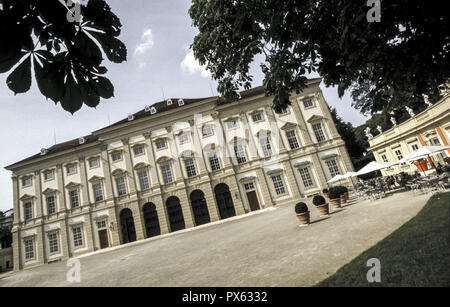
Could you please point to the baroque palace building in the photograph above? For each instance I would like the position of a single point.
(430, 127)
(176, 164)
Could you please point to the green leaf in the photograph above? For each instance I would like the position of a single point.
(72, 100)
(114, 49)
(102, 86)
(19, 81)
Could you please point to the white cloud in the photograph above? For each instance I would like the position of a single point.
(191, 66)
(145, 44)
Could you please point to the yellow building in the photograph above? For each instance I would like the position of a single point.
(431, 127)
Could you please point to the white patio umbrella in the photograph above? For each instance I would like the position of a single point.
(424, 152)
(336, 178)
(349, 174)
(373, 166)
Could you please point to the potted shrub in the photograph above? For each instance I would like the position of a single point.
(321, 205)
(325, 193)
(341, 190)
(335, 197)
(301, 209)
(345, 192)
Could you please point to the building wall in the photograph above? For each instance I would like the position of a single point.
(77, 229)
(430, 127)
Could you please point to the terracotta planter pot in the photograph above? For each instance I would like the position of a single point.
(326, 195)
(343, 199)
(303, 218)
(336, 202)
(323, 209)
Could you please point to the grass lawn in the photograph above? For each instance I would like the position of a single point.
(416, 254)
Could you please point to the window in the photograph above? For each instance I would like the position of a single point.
(138, 150)
(71, 169)
(278, 185)
(320, 136)
(166, 173)
(307, 103)
(101, 224)
(93, 163)
(292, 139)
(48, 175)
(249, 186)
(116, 156)
(207, 130)
(265, 145)
(232, 124)
(190, 167)
(77, 236)
(74, 200)
(240, 154)
(51, 208)
(183, 138)
(26, 181)
(121, 186)
(214, 161)
(332, 167)
(414, 147)
(143, 179)
(29, 248)
(384, 158)
(98, 191)
(306, 177)
(399, 154)
(160, 144)
(435, 142)
(257, 117)
(53, 242)
(28, 210)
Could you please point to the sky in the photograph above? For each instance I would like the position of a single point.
(159, 65)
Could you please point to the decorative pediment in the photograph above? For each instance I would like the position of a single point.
(141, 165)
(95, 178)
(289, 126)
(137, 145)
(263, 132)
(93, 158)
(274, 171)
(72, 184)
(231, 119)
(211, 147)
(301, 163)
(48, 191)
(315, 118)
(119, 172)
(237, 140)
(247, 178)
(116, 150)
(163, 159)
(27, 197)
(329, 156)
(187, 154)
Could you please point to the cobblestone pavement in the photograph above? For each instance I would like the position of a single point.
(266, 249)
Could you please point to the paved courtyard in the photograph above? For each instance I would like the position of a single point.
(265, 249)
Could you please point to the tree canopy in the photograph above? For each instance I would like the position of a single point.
(65, 52)
(385, 64)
